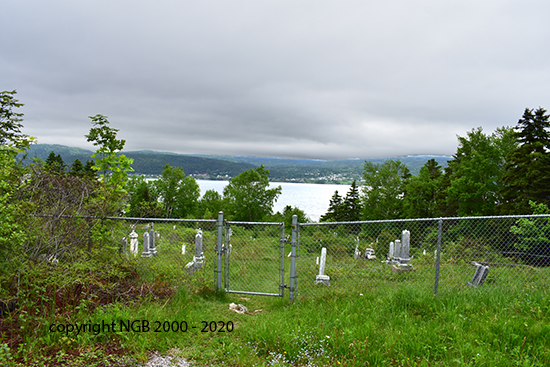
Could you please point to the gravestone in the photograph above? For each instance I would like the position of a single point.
(146, 252)
(391, 252)
(322, 278)
(369, 254)
(357, 253)
(198, 259)
(405, 246)
(397, 252)
(183, 249)
(152, 247)
(124, 246)
(134, 243)
(479, 275)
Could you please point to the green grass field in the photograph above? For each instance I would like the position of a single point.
(368, 316)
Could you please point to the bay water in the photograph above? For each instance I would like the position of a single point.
(313, 199)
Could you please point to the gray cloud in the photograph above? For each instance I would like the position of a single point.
(315, 79)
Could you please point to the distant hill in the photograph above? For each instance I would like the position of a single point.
(224, 167)
(151, 163)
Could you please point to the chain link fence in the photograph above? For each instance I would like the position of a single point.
(443, 254)
(315, 259)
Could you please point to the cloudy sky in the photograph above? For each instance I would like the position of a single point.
(299, 79)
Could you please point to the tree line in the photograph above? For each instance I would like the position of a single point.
(502, 173)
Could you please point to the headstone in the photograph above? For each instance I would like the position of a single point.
(357, 253)
(198, 259)
(183, 249)
(405, 245)
(152, 247)
(391, 251)
(369, 254)
(146, 252)
(479, 275)
(124, 246)
(397, 252)
(134, 243)
(322, 278)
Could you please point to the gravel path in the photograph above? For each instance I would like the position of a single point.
(156, 360)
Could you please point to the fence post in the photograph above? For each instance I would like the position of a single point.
(219, 251)
(438, 255)
(292, 285)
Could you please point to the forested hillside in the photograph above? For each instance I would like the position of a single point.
(224, 167)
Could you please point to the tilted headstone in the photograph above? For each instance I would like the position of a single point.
(146, 252)
(134, 243)
(479, 276)
(322, 278)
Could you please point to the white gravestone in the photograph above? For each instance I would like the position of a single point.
(198, 259)
(134, 243)
(357, 253)
(322, 278)
(369, 254)
(391, 252)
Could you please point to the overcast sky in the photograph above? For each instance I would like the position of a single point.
(278, 78)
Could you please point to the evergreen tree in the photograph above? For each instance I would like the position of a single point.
(55, 162)
(352, 204)
(527, 172)
(77, 168)
(334, 212)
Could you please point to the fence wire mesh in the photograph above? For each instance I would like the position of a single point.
(174, 256)
(510, 252)
(254, 257)
(443, 254)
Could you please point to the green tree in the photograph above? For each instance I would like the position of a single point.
(286, 217)
(211, 204)
(352, 204)
(10, 123)
(108, 159)
(476, 171)
(143, 199)
(179, 194)
(77, 168)
(167, 186)
(188, 198)
(335, 212)
(248, 197)
(55, 162)
(527, 171)
(383, 189)
(533, 235)
(422, 191)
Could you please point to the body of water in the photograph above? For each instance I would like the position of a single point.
(313, 199)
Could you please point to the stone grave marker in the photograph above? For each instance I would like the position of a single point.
(479, 275)
(146, 252)
(322, 278)
(134, 243)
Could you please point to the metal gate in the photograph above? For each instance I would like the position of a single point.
(254, 258)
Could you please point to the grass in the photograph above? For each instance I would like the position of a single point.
(368, 316)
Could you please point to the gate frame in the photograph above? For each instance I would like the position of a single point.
(222, 250)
